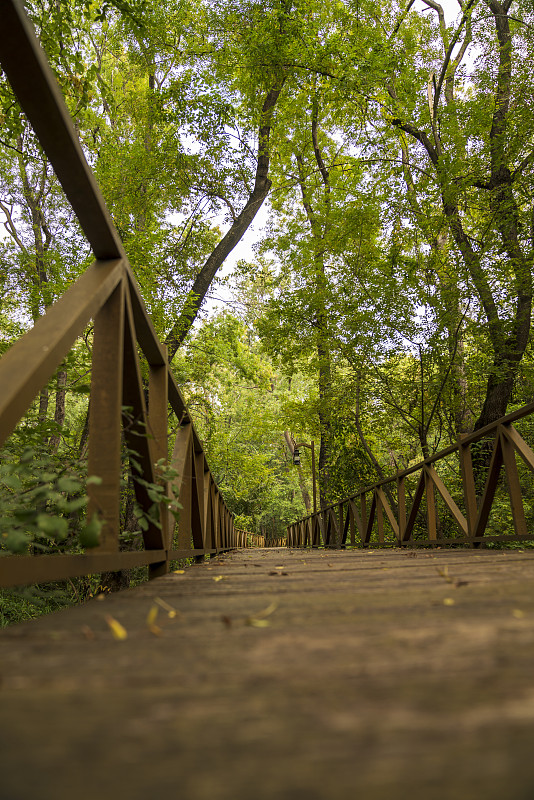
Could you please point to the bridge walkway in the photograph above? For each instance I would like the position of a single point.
(282, 674)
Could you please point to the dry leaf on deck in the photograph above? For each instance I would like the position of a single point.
(171, 612)
(258, 623)
(444, 573)
(258, 620)
(151, 620)
(119, 631)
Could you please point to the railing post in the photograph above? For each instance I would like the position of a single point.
(158, 404)
(182, 463)
(379, 517)
(430, 506)
(514, 486)
(216, 517)
(198, 517)
(104, 452)
(468, 483)
(363, 516)
(401, 505)
(351, 523)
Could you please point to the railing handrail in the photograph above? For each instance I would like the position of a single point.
(466, 439)
(507, 442)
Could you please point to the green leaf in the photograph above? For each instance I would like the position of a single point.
(13, 481)
(27, 456)
(76, 504)
(49, 476)
(136, 464)
(17, 541)
(68, 485)
(56, 527)
(93, 480)
(90, 534)
(25, 514)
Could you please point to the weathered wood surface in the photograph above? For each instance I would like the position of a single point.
(367, 683)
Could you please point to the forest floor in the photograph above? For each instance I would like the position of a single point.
(283, 675)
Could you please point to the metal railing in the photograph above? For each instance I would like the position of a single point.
(107, 293)
(387, 502)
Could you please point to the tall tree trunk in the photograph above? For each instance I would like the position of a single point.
(325, 408)
(366, 446)
(319, 228)
(234, 235)
(43, 404)
(508, 341)
(302, 482)
(59, 413)
(84, 438)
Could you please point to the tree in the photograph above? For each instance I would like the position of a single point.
(470, 146)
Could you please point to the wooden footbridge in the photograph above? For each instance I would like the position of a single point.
(295, 673)
(282, 674)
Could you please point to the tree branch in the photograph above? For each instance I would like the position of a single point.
(262, 185)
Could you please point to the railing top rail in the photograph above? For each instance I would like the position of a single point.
(466, 440)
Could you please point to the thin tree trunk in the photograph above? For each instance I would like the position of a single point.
(204, 279)
(84, 438)
(59, 414)
(302, 481)
(43, 404)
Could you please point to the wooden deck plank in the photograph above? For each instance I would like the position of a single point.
(366, 681)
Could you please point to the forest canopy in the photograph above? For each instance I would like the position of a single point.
(386, 309)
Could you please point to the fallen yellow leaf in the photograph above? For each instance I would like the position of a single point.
(448, 601)
(179, 571)
(119, 631)
(152, 615)
(258, 623)
(171, 612)
(266, 611)
(518, 614)
(220, 578)
(444, 573)
(258, 620)
(151, 620)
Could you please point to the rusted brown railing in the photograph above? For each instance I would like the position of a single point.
(107, 293)
(352, 520)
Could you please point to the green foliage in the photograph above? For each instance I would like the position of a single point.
(238, 401)
(41, 504)
(20, 605)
